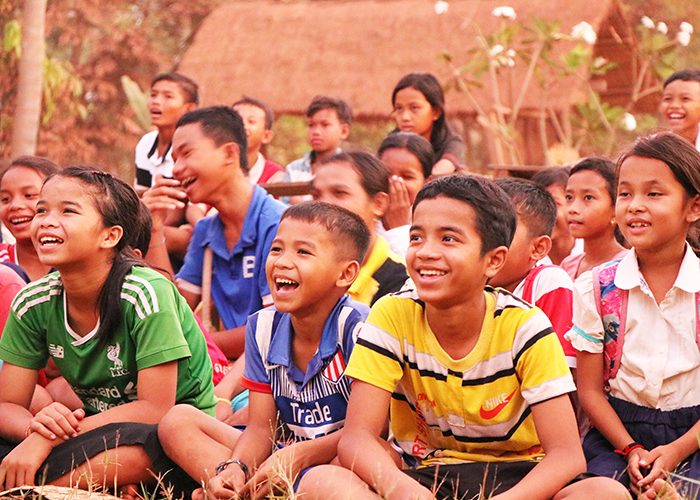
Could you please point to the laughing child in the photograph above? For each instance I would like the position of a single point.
(295, 358)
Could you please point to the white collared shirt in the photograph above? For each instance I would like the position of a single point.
(660, 365)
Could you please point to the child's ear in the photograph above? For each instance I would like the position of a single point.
(190, 106)
(345, 130)
(694, 209)
(540, 247)
(233, 153)
(495, 259)
(111, 236)
(437, 112)
(380, 204)
(348, 274)
(267, 137)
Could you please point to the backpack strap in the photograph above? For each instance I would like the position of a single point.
(611, 304)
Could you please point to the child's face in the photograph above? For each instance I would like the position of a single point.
(561, 226)
(325, 131)
(254, 122)
(680, 107)
(653, 210)
(302, 268)
(200, 165)
(67, 229)
(519, 261)
(590, 211)
(339, 184)
(402, 163)
(444, 254)
(19, 193)
(413, 112)
(166, 104)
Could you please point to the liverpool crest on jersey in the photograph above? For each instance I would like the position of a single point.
(113, 355)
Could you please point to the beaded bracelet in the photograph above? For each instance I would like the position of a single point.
(628, 449)
(222, 466)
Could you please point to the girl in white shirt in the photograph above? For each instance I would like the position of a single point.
(646, 409)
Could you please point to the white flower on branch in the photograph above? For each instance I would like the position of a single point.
(629, 122)
(687, 28)
(683, 38)
(505, 12)
(441, 7)
(648, 23)
(585, 32)
(662, 28)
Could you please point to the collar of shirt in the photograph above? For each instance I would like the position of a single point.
(255, 171)
(280, 352)
(628, 275)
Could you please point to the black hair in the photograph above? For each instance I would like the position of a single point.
(42, 166)
(349, 232)
(552, 176)
(495, 214)
(414, 144)
(374, 175)
(222, 124)
(686, 75)
(118, 204)
(189, 88)
(142, 230)
(342, 109)
(603, 167)
(428, 85)
(535, 205)
(269, 115)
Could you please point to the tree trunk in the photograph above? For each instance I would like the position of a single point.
(25, 127)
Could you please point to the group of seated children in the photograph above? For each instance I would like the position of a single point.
(460, 386)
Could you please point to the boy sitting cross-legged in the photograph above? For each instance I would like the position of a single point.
(295, 356)
(475, 379)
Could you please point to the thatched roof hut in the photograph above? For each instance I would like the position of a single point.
(286, 52)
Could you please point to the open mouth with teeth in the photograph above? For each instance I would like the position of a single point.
(638, 224)
(49, 241)
(285, 285)
(187, 182)
(20, 220)
(429, 273)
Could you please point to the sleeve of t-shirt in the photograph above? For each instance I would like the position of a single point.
(454, 150)
(23, 341)
(255, 376)
(353, 326)
(553, 293)
(539, 361)
(156, 331)
(191, 271)
(10, 285)
(377, 356)
(587, 332)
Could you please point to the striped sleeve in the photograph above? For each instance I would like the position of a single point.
(377, 357)
(539, 358)
(258, 335)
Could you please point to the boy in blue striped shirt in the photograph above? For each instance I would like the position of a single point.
(295, 359)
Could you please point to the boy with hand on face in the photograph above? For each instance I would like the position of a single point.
(257, 118)
(295, 357)
(328, 122)
(211, 167)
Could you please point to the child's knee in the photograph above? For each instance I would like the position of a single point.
(594, 487)
(179, 417)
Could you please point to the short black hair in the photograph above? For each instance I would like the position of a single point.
(374, 175)
(189, 88)
(496, 218)
(686, 75)
(269, 115)
(142, 231)
(535, 206)
(414, 144)
(222, 124)
(552, 176)
(342, 108)
(351, 236)
(603, 167)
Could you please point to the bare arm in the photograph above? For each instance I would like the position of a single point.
(360, 450)
(231, 342)
(564, 456)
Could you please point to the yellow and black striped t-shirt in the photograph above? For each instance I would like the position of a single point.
(471, 409)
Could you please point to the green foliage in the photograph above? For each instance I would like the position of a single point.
(12, 38)
(138, 102)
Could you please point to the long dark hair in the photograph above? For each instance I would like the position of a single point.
(118, 204)
(428, 85)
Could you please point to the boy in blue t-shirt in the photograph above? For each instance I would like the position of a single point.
(211, 166)
(295, 357)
